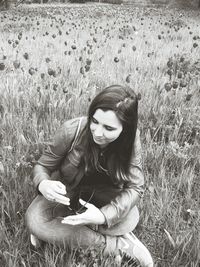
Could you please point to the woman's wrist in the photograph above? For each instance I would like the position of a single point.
(103, 219)
(39, 177)
(40, 185)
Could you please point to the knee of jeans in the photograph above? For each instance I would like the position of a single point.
(29, 218)
(32, 218)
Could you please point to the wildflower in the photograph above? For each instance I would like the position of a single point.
(82, 70)
(175, 85)
(2, 66)
(116, 59)
(169, 72)
(65, 91)
(87, 68)
(47, 60)
(169, 63)
(51, 72)
(19, 37)
(16, 64)
(195, 45)
(168, 87)
(26, 56)
(183, 84)
(139, 96)
(55, 87)
(32, 71)
(134, 48)
(128, 78)
(88, 61)
(180, 75)
(188, 97)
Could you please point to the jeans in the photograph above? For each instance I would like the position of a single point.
(43, 219)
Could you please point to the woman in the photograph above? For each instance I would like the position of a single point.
(90, 179)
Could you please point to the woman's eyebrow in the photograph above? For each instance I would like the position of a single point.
(114, 128)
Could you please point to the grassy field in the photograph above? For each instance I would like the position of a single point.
(53, 60)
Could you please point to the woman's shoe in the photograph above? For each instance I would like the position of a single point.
(132, 247)
(35, 242)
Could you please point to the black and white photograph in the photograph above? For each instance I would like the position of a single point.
(100, 133)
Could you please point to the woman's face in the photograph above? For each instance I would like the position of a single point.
(105, 127)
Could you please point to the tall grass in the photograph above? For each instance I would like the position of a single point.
(53, 61)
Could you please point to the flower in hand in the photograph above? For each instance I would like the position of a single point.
(92, 215)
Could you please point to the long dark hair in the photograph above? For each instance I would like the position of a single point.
(123, 101)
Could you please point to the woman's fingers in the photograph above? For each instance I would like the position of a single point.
(54, 191)
(60, 188)
(86, 204)
(60, 198)
(74, 220)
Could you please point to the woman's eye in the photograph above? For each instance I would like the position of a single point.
(94, 121)
(109, 128)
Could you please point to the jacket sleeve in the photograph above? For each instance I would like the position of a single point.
(120, 206)
(54, 153)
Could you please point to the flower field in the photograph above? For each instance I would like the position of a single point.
(53, 60)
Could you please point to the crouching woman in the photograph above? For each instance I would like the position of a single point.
(90, 179)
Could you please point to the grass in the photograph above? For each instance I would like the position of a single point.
(53, 60)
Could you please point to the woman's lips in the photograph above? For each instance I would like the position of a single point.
(98, 139)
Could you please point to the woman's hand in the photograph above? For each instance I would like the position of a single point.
(91, 216)
(54, 191)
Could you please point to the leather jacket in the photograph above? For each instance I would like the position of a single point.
(57, 157)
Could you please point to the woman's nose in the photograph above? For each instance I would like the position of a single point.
(98, 132)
